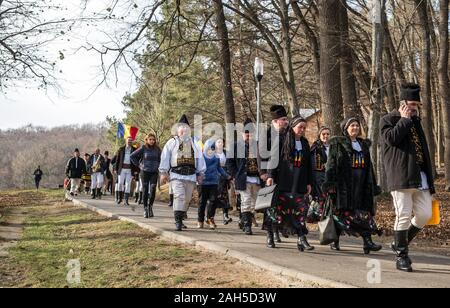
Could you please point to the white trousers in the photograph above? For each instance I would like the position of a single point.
(74, 185)
(125, 178)
(182, 193)
(412, 201)
(97, 180)
(248, 198)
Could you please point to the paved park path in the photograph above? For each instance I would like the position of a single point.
(348, 268)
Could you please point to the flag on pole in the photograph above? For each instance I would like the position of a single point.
(120, 131)
(131, 131)
(125, 131)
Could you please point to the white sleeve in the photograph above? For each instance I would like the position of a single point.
(201, 164)
(166, 157)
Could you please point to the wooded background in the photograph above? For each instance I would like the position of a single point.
(23, 150)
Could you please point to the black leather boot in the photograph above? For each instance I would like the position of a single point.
(171, 197)
(369, 245)
(412, 233)
(127, 198)
(150, 211)
(336, 246)
(136, 197)
(117, 197)
(401, 248)
(120, 198)
(270, 240)
(305, 244)
(94, 193)
(99, 193)
(140, 201)
(146, 212)
(276, 232)
(248, 220)
(179, 221)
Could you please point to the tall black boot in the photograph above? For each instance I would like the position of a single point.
(120, 197)
(304, 243)
(412, 233)
(226, 218)
(117, 197)
(400, 247)
(369, 245)
(179, 220)
(94, 193)
(146, 212)
(171, 197)
(99, 193)
(150, 211)
(276, 232)
(140, 201)
(248, 220)
(127, 198)
(136, 197)
(270, 237)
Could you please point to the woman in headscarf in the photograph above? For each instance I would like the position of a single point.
(319, 156)
(351, 183)
(293, 177)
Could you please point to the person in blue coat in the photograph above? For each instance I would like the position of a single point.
(210, 185)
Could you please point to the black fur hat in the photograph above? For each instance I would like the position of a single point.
(410, 92)
(277, 112)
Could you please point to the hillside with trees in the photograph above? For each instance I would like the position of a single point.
(23, 149)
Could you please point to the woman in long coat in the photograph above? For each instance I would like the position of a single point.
(293, 177)
(351, 182)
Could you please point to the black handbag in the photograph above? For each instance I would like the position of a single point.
(265, 198)
(327, 227)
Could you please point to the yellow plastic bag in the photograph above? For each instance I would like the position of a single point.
(436, 218)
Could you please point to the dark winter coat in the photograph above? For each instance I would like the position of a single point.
(339, 175)
(118, 161)
(237, 167)
(75, 168)
(399, 153)
(290, 180)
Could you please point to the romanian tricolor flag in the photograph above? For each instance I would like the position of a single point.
(125, 131)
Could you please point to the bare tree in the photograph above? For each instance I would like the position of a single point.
(444, 83)
(330, 77)
(25, 33)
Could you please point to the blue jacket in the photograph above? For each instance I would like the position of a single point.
(213, 171)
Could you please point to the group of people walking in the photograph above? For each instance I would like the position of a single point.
(335, 171)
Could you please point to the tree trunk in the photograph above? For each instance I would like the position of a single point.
(291, 89)
(348, 80)
(444, 84)
(225, 62)
(330, 77)
(427, 110)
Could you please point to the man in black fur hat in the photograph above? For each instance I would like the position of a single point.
(410, 179)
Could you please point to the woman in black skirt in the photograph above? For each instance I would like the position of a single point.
(319, 156)
(351, 183)
(293, 177)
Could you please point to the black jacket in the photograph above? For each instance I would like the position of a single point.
(318, 152)
(339, 175)
(74, 169)
(399, 153)
(290, 180)
(237, 167)
(117, 161)
(90, 163)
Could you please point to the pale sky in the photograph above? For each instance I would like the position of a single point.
(76, 103)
